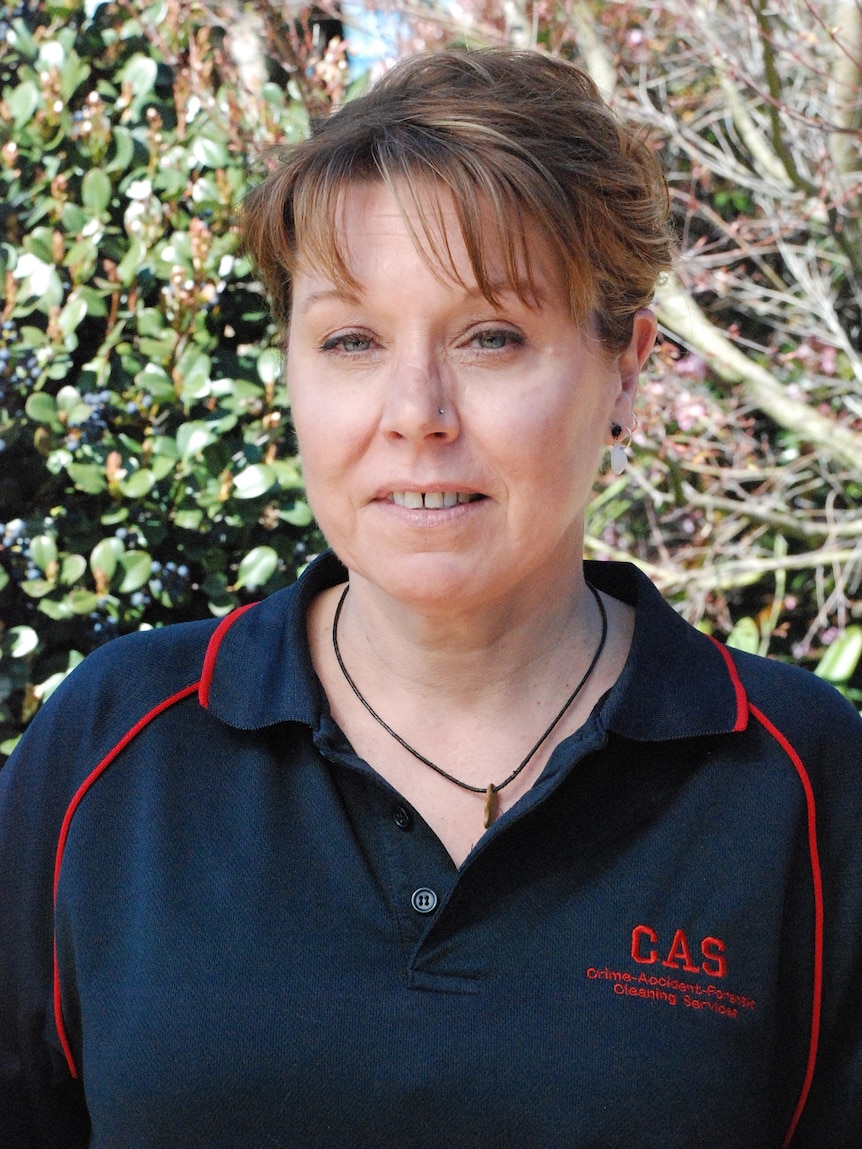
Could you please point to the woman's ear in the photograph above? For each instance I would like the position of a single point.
(630, 362)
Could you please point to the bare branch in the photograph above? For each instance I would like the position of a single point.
(678, 311)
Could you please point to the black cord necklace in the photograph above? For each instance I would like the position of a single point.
(491, 790)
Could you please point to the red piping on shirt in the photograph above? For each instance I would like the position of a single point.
(202, 686)
(817, 883)
(738, 688)
(212, 652)
(64, 834)
(743, 707)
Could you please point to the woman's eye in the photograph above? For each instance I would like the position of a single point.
(496, 339)
(351, 343)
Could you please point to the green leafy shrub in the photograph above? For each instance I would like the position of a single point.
(148, 471)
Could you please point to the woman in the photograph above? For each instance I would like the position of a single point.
(458, 842)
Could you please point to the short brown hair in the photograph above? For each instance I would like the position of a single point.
(515, 138)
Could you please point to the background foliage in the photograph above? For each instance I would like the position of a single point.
(147, 470)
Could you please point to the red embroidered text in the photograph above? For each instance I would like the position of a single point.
(710, 959)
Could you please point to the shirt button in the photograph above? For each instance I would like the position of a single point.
(401, 818)
(424, 900)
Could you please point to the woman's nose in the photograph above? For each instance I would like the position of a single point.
(418, 404)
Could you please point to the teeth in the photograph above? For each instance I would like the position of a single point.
(434, 500)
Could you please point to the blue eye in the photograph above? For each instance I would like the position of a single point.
(497, 339)
(351, 343)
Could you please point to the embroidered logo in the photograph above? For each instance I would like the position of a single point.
(692, 972)
(679, 956)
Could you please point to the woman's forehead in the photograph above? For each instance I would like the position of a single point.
(491, 256)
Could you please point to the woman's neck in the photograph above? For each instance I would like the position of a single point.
(472, 698)
(466, 658)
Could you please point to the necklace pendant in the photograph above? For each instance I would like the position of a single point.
(490, 805)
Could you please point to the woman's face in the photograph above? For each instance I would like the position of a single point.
(449, 445)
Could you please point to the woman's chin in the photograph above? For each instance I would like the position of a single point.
(432, 582)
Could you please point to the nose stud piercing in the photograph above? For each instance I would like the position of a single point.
(440, 411)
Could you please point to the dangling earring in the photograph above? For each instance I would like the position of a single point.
(619, 452)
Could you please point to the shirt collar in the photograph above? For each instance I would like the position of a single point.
(675, 684)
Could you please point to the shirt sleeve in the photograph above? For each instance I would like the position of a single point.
(41, 1105)
(832, 1115)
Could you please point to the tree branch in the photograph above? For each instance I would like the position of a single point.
(678, 311)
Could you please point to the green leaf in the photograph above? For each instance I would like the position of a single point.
(72, 315)
(38, 277)
(842, 656)
(96, 191)
(138, 484)
(72, 75)
(130, 264)
(42, 408)
(43, 552)
(210, 153)
(192, 438)
(745, 636)
(193, 370)
(37, 587)
(23, 102)
(81, 260)
(159, 349)
(178, 251)
(124, 150)
(82, 601)
(24, 641)
(68, 399)
(104, 557)
(21, 40)
(189, 520)
(94, 300)
(72, 569)
(33, 336)
(87, 477)
(253, 481)
(287, 472)
(136, 567)
(140, 74)
(58, 460)
(56, 610)
(161, 466)
(257, 566)
(269, 364)
(165, 447)
(299, 514)
(157, 383)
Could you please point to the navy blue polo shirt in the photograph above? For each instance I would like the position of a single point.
(260, 943)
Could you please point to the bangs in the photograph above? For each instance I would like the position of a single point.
(497, 221)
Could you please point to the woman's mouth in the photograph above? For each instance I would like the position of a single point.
(434, 500)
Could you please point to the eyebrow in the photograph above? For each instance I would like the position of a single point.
(522, 290)
(338, 294)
